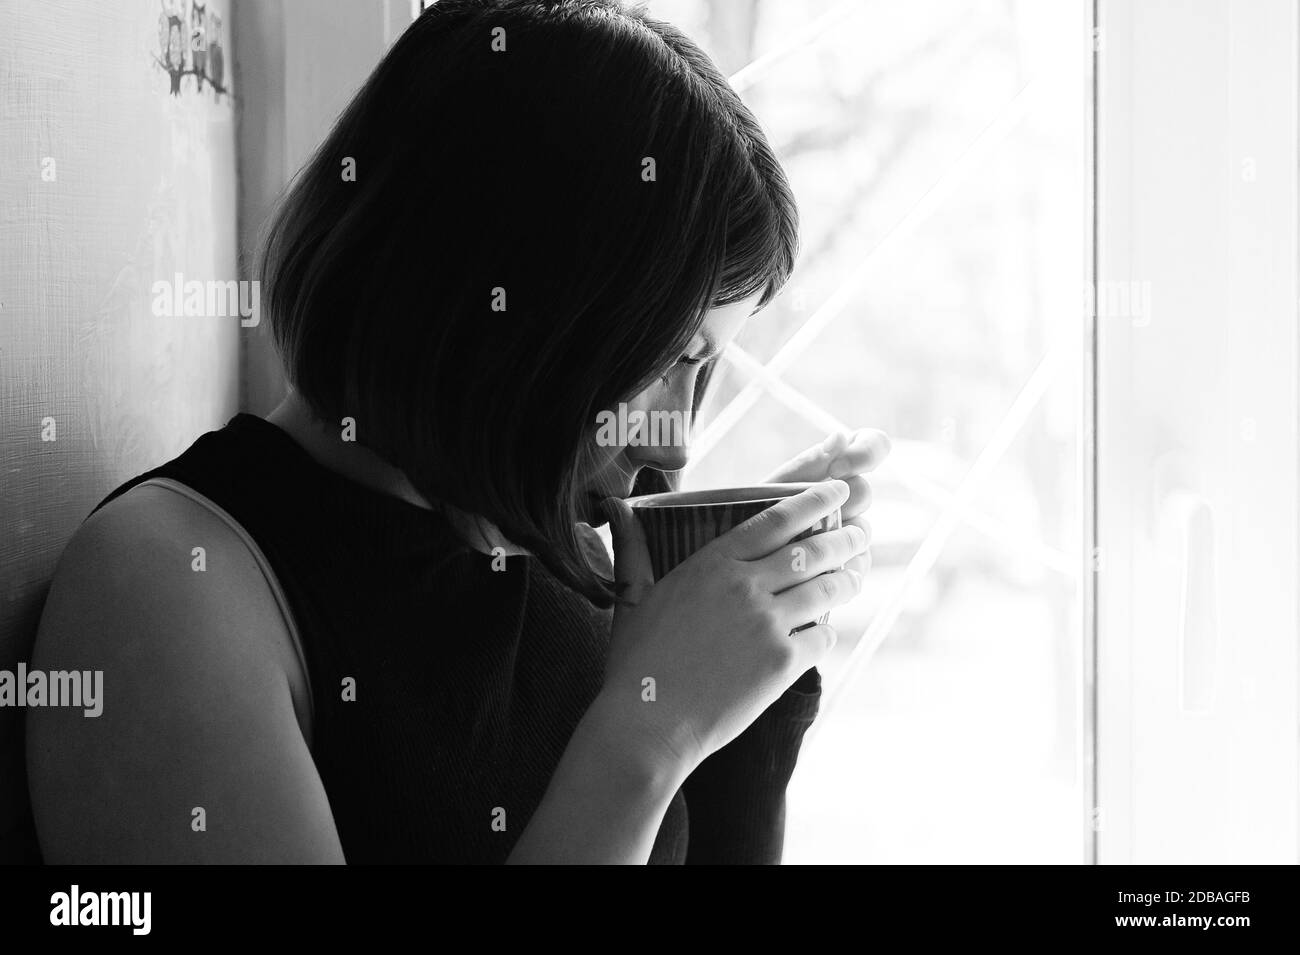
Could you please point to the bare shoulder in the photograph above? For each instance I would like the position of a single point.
(163, 550)
(197, 752)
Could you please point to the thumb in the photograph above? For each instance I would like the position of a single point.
(632, 570)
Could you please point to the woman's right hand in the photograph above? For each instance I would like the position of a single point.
(715, 633)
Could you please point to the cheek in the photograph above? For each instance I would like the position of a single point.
(677, 393)
(674, 395)
(660, 396)
(643, 401)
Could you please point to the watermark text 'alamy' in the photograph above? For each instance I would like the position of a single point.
(209, 299)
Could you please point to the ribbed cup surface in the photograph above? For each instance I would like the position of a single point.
(675, 531)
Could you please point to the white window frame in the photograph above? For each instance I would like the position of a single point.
(1192, 600)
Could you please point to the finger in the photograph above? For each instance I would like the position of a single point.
(782, 522)
(861, 564)
(812, 598)
(812, 645)
(632, 570)
(807, 557)
(867, 448)
(812, 464)
(859, 495)
(863, 522)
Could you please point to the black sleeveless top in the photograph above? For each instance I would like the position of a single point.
(466, 682)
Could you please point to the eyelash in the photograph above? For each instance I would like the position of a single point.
(684, 360)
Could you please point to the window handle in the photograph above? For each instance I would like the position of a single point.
(1191, 520)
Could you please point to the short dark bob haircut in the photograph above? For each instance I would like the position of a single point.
(498, 151)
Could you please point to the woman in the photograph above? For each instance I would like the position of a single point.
(375, 626)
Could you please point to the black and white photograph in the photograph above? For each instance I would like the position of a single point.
(669, 432)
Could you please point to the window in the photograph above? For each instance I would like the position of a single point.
(937, 150)
(1196, 664)
(1079, 640)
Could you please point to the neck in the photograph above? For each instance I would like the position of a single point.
(351, 460)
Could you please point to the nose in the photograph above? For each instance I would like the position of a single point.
(666, 434)
(671, 458)
(666, 439)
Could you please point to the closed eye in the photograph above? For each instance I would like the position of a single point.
(686, 360)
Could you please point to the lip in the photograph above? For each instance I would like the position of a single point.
(623, 489)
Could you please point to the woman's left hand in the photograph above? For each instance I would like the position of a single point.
(848, 457)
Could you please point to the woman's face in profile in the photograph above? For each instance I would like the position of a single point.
(654, 427)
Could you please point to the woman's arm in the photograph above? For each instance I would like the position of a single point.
(198, 755)
(736, 797)
(607, 798)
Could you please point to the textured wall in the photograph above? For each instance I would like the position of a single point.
(142, 186)
(305, 59)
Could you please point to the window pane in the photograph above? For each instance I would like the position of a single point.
(937, 152)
